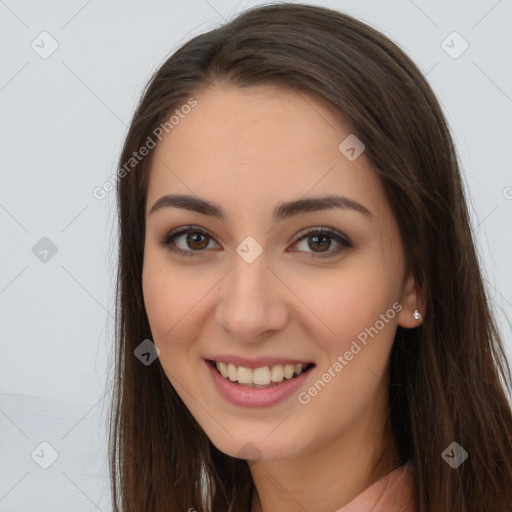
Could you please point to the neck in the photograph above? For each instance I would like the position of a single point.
(328, 476)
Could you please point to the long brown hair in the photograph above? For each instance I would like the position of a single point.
(449, 376)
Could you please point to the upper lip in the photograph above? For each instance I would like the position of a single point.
(258, 362)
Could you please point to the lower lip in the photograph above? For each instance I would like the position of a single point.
(256, 397)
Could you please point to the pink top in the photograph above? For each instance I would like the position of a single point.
(392, 493)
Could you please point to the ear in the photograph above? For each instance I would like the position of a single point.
(412, 298)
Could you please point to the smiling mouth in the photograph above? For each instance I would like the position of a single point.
(264, 377)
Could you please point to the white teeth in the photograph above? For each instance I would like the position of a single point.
(263, 376)
(260, 376)
(223, 369)
(277, 373)
(232, 372)
(245, 375)
(289, 370)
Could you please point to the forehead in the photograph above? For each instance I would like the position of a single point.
(232, 122)
(240, 145)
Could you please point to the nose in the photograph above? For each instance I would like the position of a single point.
(252, 301)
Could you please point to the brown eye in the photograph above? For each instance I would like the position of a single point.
(319, 241)
(196, 240)
(187, 241)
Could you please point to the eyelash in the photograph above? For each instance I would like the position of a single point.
(344, 241)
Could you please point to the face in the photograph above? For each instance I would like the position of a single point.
(263, 287)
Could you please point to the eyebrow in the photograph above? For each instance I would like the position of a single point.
(281, 211)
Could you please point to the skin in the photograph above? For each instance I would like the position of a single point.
(248, 150)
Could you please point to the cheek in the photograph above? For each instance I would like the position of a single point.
(359, 313)
(164, 308)
(169, 296)
(157, 302)
(351, 380)
(350, 302)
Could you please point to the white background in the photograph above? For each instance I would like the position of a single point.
(62, 123)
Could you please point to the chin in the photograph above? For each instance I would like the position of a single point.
(255, 449)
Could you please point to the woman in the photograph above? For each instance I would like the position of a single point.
(295, 241)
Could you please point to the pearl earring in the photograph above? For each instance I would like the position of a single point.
(416, 314)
